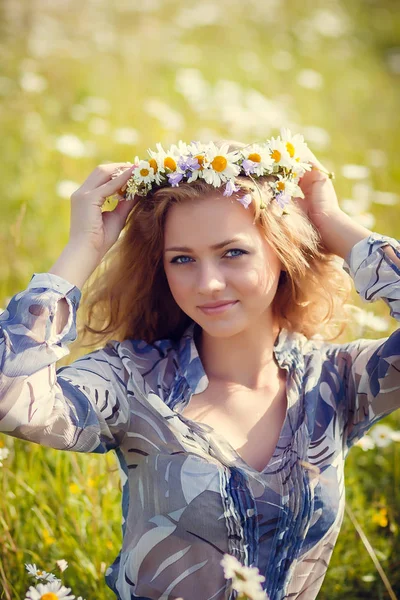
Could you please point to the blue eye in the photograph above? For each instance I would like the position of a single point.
(237, 250)
(176, 258)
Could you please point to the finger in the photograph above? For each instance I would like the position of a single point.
(114, 185)
(115, 220)
(315, 162)
(101, 175)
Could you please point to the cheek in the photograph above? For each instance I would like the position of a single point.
(259, 279)
(178, 284)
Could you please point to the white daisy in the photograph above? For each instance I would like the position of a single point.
(296, 148)
(260, 158)
(290, 152)
(231, 566)
(286, 186)
(51, 577)
(4, 452)
(57, 591)
(144, 173)
(279, 154)
(166, 161)
(395, 435)
(38, 573)
(243, 578)
(62, 564)
(220, 165)
(366, 443)
(381, 435)
(251, 589)
(197, 151)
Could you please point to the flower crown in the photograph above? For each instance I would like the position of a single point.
(286, 157)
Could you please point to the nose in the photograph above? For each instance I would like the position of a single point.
(210, 279)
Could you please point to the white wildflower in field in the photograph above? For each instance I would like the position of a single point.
(351, 171)
(249, 589)
(66, 187)
(245, 580)
(62, 564)
(39, 573)
(4, 452)
(53, 590)
(309, 78)
(366, 443)
(126, 135)
(71, 145)
(395, 435)
(381, 435)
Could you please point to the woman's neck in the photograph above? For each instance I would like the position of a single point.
(246, 359)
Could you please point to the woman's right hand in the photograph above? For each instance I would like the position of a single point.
(90, 227)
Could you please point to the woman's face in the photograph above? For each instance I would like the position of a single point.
(246, 270)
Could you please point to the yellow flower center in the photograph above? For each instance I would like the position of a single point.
(39, 573)
(290, 149)
(219, 163)
(170, 163)
(281, 186)
(153, 163)
(200, 160)
(144, 172)
(276, 155)
(49, 596)
(254, 157)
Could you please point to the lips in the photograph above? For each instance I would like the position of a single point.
(216, 304)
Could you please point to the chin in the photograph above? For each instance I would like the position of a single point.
(221, 328)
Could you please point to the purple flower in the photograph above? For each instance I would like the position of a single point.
(175, 178)
(230, 187)
(249, 166)
(245, 200)
(282, 199)
(188, 164)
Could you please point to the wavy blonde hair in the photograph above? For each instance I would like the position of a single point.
(128, 295)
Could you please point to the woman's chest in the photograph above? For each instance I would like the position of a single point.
(250, 421)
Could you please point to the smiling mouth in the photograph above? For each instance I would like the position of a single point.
(217, 309)
(217, 304)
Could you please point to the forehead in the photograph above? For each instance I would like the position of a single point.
(208, 220)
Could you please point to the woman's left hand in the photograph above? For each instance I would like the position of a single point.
(320, 200)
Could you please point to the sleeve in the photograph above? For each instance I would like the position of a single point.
(366, 373)
(81, 407)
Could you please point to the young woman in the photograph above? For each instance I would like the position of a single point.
(215, 378)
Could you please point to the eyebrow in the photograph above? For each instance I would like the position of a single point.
(213, 247)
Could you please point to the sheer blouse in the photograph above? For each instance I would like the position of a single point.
(187, 496)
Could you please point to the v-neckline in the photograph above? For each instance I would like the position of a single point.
(206, 430)
(193, 373)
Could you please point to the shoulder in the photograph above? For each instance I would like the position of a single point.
(141, 351)
(314, 354)
(155, 363)
(296, 343)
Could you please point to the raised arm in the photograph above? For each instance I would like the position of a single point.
(82, 406)
(364, 373)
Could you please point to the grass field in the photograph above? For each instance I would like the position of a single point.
(83, 83)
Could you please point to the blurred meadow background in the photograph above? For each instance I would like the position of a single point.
(83, 83)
